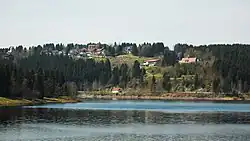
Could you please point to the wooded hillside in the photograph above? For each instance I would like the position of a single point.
(34, 72)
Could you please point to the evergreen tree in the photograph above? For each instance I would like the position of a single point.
(136, 70)
(118, 50)
(123, 75)
(196, 81)
(107, 71)
(226, 85)
(166, 84)
(40, 83)
(169, 58)
(142, 74)
(216, 85)
(240, 87)
(115, 76)
(153, 84)
(134, 50)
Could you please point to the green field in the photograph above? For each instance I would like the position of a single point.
(128, 59)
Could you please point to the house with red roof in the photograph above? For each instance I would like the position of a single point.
(188, 60)
(95, 49)
(116, 90)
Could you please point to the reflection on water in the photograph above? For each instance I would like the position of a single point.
(49, 124)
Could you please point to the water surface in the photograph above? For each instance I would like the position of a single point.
(127, 120)
(161, 106)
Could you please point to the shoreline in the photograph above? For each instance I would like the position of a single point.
(6, 102)
(114, 97)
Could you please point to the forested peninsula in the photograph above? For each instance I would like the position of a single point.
(51, 71)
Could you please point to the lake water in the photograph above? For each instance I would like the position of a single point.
(127, 121)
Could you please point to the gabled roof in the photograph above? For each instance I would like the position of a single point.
(152, 60)
(83, 49)
(189, 60)
(116, 89)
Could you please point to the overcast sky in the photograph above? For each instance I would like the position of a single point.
(33, 22)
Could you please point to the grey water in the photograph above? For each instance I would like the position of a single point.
(107, 120)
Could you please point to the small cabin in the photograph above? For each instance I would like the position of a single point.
(116, 90)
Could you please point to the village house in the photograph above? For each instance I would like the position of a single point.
(116, 90)
(188, 60)
(82, 54)
(151, 62)
(61, 53)
(73, 51)
(45, 52)
(128, 49)
(8, 57)
(9, 52)
(92, 47)
(95, 50)
(55, 52)
(83, 50)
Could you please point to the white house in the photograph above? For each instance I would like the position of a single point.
(128, 49)
(151, 62)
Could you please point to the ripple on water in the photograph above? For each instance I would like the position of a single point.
(49, 132)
